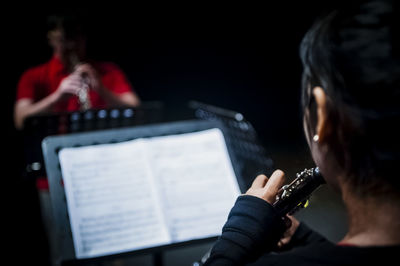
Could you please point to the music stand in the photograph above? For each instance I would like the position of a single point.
(53, 144)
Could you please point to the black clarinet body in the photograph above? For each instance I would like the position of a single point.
(295, 195)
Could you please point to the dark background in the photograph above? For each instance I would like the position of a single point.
(239, 57)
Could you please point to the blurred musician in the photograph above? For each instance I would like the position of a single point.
(70, 81)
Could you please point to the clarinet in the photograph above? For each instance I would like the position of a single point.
(291, 197)
(83, 93)
(295, 195)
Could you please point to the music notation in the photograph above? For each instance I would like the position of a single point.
(147, 192)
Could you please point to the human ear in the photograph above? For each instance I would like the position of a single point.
(322, 127)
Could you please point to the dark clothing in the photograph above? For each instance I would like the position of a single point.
(253, 229)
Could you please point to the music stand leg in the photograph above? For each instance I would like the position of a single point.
(157, 259)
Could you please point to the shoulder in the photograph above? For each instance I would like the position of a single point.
(107, 67)
(35, 74)
(35, 71)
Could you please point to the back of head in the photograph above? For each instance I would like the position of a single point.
(354, 54)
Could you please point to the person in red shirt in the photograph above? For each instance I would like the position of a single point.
(69, 81)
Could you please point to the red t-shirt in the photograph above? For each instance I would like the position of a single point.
(40, 81)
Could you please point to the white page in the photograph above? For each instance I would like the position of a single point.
(196, 182)
(111, 199)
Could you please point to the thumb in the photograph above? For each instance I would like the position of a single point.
(275, 182)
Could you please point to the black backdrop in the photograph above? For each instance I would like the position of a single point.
(243, 58)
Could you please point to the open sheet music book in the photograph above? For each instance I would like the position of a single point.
(147, 192)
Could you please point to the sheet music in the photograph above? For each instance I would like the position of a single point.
(196, 181)
(147, 192)
(111, 199)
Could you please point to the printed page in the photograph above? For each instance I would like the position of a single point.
(111, 199)
(196, 182)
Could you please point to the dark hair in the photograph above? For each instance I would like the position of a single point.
(73, 24)
(353, 54)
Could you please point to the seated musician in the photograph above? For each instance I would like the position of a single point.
(351, 96)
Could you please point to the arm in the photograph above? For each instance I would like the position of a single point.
(253, 227)
(123, 99)
(25, 107)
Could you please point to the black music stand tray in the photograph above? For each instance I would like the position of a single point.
(53, 144)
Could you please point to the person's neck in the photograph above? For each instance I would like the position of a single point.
(373, 221)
